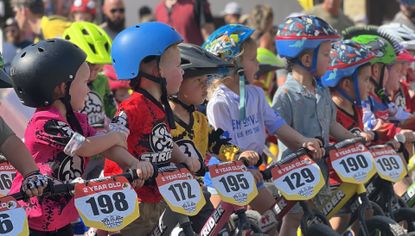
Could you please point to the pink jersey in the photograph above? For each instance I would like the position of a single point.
(46, 136)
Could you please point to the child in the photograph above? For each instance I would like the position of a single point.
(96, 44)
(245, 117)
(120, 88)
(305, 105)
(83, 10)
(147, 54)
(52, 76)
(15, 151)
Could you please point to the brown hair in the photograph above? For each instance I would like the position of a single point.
(260, 16)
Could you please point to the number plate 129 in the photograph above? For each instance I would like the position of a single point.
(233, 182)
(108, 205)
(181, 191)
(299, 180)
(353, 164)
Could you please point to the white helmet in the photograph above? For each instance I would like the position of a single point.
(404, 34)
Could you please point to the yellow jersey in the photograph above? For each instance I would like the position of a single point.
(52, 27)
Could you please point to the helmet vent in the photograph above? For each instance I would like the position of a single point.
(137, 26)
(85, 32)
(23, 54)
(40, 49)
(50, 41)
(67, 37)
(92, 48)
(107, 47)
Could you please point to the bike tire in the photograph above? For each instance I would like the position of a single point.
(321, 230)
(383, 226)
(405, 214)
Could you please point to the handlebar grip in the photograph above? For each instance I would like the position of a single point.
(346, 142)
(266, 174)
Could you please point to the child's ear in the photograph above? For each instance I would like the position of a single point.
(306, 59)
(375, 70)
(59, 91)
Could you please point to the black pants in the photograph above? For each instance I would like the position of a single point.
(65, 231)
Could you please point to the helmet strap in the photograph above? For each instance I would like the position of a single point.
(313, 68)
(379, 90)
(357, 101)
(164, 96)
(70, 115)
(188, 108)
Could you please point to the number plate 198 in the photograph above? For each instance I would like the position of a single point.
(298, 180)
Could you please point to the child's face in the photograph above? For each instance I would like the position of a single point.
(94, 69)
(364, 81)
(249, 61)
(121, 94)
(171, 70)
(193, 91)
(82, 16)
(395, 75)
(323, 58)
(79, 88)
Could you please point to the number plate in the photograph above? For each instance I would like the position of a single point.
(181, 191)
(298, 180)
(233, 182)
(388, 163)
(110, 204)
(353, 164)
(13, 220)
(7, 174)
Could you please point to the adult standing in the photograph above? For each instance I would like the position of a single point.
(191, 18)
(114, 12)
(406, 15)
(232, 13)
(331, 12)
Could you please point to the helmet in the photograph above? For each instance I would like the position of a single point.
(265, 56)
(383, 50)
(197, 61)
(404, 34)
(227, 40)
(84, 6)
(135, 43)
(93, 40)
(345, 58)
(37, 69)
(298, 33)
(4, 77)
(113, 82)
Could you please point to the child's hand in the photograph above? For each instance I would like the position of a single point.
(257, 175)
(193, 164)
(409, 135)
(34, 183)
(251, 156)
(395, 144)
(368, 135)
(315, 146)
(144, 171)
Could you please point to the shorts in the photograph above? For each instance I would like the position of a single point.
(65, 231)
(149, 217)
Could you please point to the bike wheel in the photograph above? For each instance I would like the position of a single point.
(406, 214)
(383, 226)
(321, 230)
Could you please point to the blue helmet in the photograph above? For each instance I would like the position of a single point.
(226, 41)
(345, 58)
(299, 33)
(135, 43)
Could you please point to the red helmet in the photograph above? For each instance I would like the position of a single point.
(113, 82)
(84, 6)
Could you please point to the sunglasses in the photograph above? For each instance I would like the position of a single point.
(120, 10)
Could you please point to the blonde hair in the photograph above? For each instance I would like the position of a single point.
(236, 61)
(260, 16)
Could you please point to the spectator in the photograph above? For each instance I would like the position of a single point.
(191, 18)
(406, 15)
(29, 15)
(331, 12)
(261, 20)
(232, 13)
(57, 7)
(13, 34)
(83, 10)
(114, 12)
(145, 14)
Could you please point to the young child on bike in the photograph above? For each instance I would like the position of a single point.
(52, 76)
(242, 110)
(16, 152)
(120, 89)
(302, 102)
(147, 54)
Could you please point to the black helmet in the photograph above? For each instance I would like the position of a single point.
(4, 77)
(197, 61)
(39, 68)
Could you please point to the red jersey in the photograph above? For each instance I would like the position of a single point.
(149, 137)
(402, 99)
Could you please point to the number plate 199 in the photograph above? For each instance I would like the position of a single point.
(233, 182)
(108, 205)
(353, 164)
(298, 180)
(388, 163)
(181, 191)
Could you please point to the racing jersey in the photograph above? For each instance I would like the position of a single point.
(402, 99)
(149, 137)
(46, 136)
